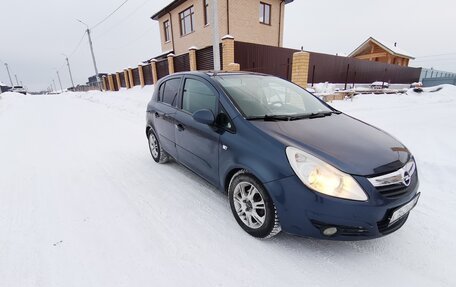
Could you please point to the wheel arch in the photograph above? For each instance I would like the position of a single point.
(236, 171)
(148, 129)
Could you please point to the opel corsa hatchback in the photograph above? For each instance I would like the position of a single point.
(287, 160)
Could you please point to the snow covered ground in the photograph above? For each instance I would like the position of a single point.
(83, 204)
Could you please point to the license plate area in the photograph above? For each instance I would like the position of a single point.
(403, 210)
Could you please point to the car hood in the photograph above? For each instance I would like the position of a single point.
(348, 144)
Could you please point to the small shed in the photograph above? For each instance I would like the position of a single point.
(380, 51)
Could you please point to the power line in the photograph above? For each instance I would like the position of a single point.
(436, 60)
(107, 17)
(78, 45)
(123, 20)
(130, 42)
(76, 48)
(436, 55)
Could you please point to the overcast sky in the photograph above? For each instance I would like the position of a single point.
(34, 34)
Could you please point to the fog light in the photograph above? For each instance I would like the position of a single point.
(330, 231)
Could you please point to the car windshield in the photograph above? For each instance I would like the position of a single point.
(260, 96)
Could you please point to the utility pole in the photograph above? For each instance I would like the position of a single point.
(93, 55)
(215, 34)
(69, 70)
(60, 82)
(93, 59)
(9, 75)
(17, 82)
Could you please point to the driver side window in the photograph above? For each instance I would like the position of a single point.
(198, 96)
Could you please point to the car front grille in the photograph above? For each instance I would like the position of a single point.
(397, 190)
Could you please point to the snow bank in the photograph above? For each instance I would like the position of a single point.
(324, 88)
(133, 101)
(426, 123)
(83, 204)
(446, 89)
(11, 94)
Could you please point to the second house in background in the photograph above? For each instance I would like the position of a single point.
(186, 23)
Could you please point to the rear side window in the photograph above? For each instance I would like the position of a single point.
(198, 96)
(169, 91)
(160, 92)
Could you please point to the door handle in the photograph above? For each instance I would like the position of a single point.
(180, 127)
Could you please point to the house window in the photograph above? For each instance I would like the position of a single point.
(206, 12)
(265, 13)
(167, 31)
(186, 21)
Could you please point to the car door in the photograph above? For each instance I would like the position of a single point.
(165, 112)
(197, 143)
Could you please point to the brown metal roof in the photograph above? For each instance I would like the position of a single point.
(171, 6)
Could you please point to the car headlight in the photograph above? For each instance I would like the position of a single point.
(323, 177)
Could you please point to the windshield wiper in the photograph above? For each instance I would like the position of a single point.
(314, 115)
(271, 118)
(319, 115)
(293, 117)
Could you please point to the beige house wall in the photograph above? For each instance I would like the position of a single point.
(244, 24)
(201, 37)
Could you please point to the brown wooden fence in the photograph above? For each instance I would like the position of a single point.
(277, 61)
(162, 68)
(264, 59)
(147, 71)
(336, 69)
(135, 73)
(205, 58)
(182, 63)
(116, 86)
(122, 80)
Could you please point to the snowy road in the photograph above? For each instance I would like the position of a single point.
(83, 204)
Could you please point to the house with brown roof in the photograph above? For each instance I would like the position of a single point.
(186, 23)
(381, 51)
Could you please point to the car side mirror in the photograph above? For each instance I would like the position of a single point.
(204, 116)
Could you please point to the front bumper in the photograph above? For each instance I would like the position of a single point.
(305, 212)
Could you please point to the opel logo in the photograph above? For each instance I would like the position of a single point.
(406, 178)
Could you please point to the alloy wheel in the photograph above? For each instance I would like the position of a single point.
(249, 205)
(153, 145)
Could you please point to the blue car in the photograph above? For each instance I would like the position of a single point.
(287, 160)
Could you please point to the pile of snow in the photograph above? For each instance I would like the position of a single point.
(83, 204)
(324, 88)
(380, 84)
(133, 101)
(12, 94)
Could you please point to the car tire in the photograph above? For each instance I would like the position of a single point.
(158, 154)
(252, 206)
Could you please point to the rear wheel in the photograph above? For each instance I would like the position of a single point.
(252, 207)
(157, 152)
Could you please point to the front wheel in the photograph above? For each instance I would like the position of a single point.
(157, 152)
(252, 207)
